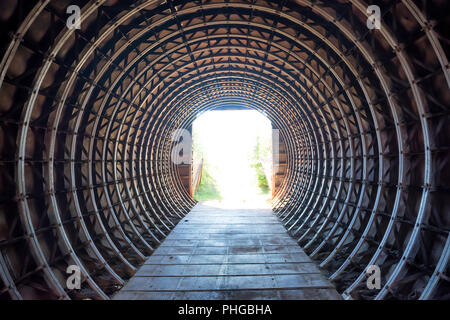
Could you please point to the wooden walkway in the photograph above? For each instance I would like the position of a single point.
(216, 253)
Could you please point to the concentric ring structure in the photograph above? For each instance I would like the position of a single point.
(87, 116)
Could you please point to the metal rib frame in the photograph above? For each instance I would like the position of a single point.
(87, 117)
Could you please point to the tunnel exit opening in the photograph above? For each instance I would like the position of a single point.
(232, 158)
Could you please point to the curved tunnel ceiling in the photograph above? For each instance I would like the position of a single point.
(87, 116)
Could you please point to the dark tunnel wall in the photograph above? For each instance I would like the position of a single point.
(86, 118)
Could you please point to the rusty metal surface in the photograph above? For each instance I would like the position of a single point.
(86, 118)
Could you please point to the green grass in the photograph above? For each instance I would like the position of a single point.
(207, 189)
(263, 185)
(259, 152)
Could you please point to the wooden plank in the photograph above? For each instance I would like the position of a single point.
(216, 253)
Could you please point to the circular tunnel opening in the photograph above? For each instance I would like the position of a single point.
(90, 103)
(232, 149)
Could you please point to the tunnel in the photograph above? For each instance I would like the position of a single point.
(89, 105)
